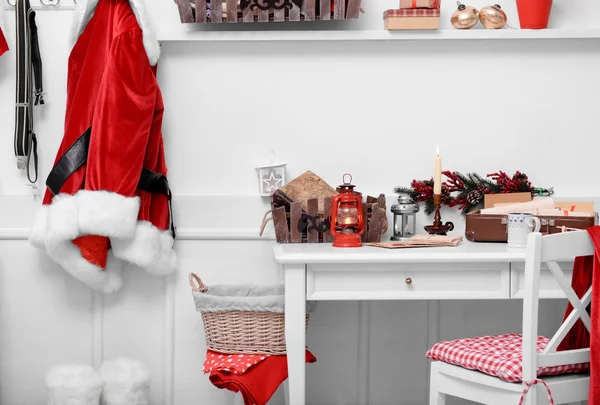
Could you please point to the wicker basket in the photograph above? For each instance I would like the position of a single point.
(247, 332)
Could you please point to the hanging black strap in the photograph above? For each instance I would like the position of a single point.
(36, 60)
(29, 75)
(77, 154)
(152, 182)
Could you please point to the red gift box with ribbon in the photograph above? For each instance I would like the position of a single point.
(419, 4)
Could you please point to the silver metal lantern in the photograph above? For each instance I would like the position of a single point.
(405, 218)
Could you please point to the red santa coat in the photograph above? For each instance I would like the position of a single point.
(3, 43)
(112, 90)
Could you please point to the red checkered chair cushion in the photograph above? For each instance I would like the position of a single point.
(499, 356)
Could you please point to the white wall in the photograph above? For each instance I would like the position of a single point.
(374, 109)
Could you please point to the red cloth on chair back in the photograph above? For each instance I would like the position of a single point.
(3, 43)
(579, 337)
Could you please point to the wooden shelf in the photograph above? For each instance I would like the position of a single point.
(373, 35)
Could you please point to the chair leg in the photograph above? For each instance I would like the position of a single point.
(435, 397)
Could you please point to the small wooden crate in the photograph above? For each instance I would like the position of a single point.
(248, 11)
(287, 214)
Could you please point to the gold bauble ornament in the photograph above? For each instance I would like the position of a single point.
(464, 17)
(492, 17)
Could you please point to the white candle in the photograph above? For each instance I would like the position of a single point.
(437, 176)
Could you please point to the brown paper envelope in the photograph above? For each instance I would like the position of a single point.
(490, 200)
(580, 206)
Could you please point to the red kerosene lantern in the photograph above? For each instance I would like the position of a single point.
(347, 218)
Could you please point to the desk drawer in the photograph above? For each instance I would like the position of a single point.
(548, 286)
(410, 281)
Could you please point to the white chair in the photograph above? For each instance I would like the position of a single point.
(453, 380)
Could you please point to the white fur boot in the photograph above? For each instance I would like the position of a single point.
(73, 385)
(126, 382)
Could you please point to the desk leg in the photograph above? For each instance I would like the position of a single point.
(433, 337)
(295, 333)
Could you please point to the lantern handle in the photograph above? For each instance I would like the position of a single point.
(344, 178)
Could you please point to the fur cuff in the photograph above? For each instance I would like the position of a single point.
(150, 248)
(85, 213)
(106, 213)
(73, 384)
(37, 236)
(68, 257)
(126, 382)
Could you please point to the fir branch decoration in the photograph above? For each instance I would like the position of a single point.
(419, 191)
(422, 191)
(466, 192)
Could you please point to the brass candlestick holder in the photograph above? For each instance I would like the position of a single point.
(438, 228)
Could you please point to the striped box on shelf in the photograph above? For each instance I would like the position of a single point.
(248, 11)
(412, 19)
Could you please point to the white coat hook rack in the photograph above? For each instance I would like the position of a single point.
(39, 5)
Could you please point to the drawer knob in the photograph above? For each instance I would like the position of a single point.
(408, 280)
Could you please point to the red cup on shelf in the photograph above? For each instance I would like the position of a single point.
(534, 14)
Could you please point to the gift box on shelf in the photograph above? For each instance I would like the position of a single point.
(407, 4)
(249, 11)
(412, 19)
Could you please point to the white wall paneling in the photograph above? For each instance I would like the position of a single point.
(45, 319)
(373, 108)
(169, 342)
(97, 329)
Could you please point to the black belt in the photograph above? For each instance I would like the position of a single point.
(77, 154)
(29, 71)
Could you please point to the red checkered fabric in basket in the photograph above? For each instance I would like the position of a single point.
(412, 12)
(499, 356)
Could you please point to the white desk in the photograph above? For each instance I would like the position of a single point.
(321, 272)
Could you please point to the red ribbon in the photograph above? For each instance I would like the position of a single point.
(414, 3)
(529, 384)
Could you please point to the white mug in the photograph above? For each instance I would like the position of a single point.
(519, 226)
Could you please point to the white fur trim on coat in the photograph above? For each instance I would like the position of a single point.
(84, 10)
(150, 248)
(37, 234)
(126, 382)
(73, 384)
(85, 213)
(61, 228)
(68, 257)
(107, 214)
